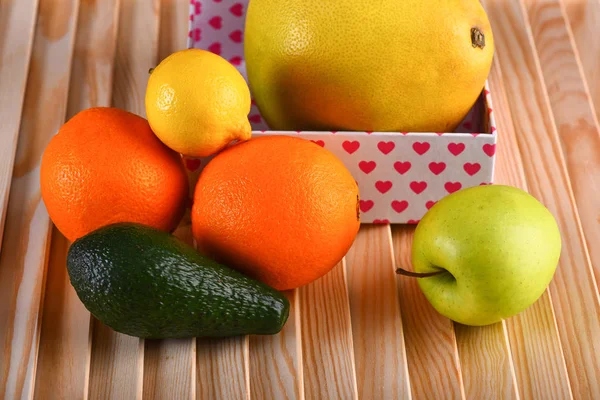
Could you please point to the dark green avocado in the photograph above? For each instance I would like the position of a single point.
(146, 283)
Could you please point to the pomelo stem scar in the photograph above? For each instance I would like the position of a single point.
(404, 272)
(477, 38)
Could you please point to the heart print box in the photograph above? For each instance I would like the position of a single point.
(400, 175)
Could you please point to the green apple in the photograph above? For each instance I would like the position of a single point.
(486, 253)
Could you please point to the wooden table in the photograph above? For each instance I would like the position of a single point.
(360, 331)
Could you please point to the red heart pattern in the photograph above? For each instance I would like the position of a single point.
(413, 221)
(392, 171)
(350, 146)
(437, 167)
(386, 147)
(366, 205)
(236, 36)
(402, 167)
(399, 206)
(215, 48)
(489, 149)
(472, 168)
(383, 186)
(381, 221)
(237, 9)
(367, 166)
(418, 187)
(456, 148)
(452, 187)
(216, 22)
(421, 147)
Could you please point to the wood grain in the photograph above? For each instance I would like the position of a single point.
(327, 345)
(584, 20)
(574, 291)
(431, 349)
(117, 365)
(532, 334)
(170, 369)
(117, 361)
(380, 354)
(174, 17)
(137, 52)
(25, 250)
(17, 21)
(573, 113)
(222, 369)
(487, 364)
(94, 56)
(276, 360)
(65, 344)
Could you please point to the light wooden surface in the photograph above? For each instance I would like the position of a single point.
(359, 332)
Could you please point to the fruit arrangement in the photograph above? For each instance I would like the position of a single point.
(276, 212)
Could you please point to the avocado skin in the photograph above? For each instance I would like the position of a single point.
(146, 283)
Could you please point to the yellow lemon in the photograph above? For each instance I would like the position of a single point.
(197, 103)
(385, 65)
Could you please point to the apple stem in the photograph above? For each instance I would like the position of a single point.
(404, 272)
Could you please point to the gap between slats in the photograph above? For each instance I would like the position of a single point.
(25, 251)
(17, 25)
(584, 20)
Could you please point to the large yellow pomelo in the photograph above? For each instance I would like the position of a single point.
(385, 65)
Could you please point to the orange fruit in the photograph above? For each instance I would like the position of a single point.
(104, 166)
(280, 209)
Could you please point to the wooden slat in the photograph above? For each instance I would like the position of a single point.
(137, 52)
(222, 369)
(431, 349)
(487, 363)
(116, 370)
(25, 250)
(117, 362)
(574, 114)
(574, 291)
(327, 348)
(174, 16)
(65, 343)
(532, 334)
(168, 368)
(17, 21)
(276, 361)
(584, 20)
(380, 354)
(170, 365)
